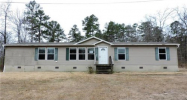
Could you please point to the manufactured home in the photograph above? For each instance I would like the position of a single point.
(93, 53)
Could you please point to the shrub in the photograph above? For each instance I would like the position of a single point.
(90, 70)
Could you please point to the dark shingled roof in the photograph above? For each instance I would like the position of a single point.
(73, 44)
(46, 43)
(66, 44)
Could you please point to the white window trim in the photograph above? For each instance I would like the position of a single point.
(162, 53)
(75, 53)
(84, 53)
(42, 53)
(47, 52)
(88, 53)
(122, 53)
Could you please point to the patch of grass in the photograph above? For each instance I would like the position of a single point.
(82, 86)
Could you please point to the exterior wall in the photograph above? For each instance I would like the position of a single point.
(138, 56)
(24, 57)
(145, 57)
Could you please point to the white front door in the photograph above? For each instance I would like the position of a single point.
(103, 55)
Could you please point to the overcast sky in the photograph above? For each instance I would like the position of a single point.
(70, 12)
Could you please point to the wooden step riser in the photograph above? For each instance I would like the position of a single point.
(101, 69)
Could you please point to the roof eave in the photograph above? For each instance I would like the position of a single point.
(144, 44)
(56, 45)
(87, 40)
(100, 40)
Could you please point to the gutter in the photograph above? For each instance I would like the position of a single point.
(144, 44)
(73, 45)
(36, 45)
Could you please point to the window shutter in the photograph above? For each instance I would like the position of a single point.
(168, 53)
(67, 53)
(56, 54)
(156, 54)
(127, 54)
(96, 53)
(36, 54)
(115, 54)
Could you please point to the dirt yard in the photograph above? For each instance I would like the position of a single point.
(83, 86)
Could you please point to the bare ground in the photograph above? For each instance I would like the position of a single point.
(83, 86)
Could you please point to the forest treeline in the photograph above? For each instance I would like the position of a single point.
(35, 26)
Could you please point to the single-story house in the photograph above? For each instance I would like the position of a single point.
(91, 52)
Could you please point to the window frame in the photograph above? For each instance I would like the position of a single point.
(89, 53)
(41, 53)
(162, 53)
(73, 53)
(81, 53)
(121, 53)
(47, 52)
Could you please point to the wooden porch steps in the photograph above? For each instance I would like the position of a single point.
(104, 68)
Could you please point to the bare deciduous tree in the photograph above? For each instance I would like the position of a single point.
(5, 12)
(18, 21)
(160, 20)
(182, 17)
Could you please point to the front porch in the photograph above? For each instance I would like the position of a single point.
(105, 68)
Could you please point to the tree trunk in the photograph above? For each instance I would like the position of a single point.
(32, 33)
(39, 34)
(3, 59)
(185, 56)
(4, 40)
(5, 29)
(19, 37)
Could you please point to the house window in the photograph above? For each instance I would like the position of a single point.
(41, 55)
(162, 53)
(121, 53)
(81, 53)
(73, 52)
(90, 53)
(50, 53)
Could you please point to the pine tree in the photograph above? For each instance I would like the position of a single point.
(75, 34)
(54, 33)
(90, 26)
(39, 26)
(30, 15)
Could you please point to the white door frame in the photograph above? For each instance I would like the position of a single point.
(99, 53)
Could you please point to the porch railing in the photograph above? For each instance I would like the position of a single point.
(95, 60)
(111, 60)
